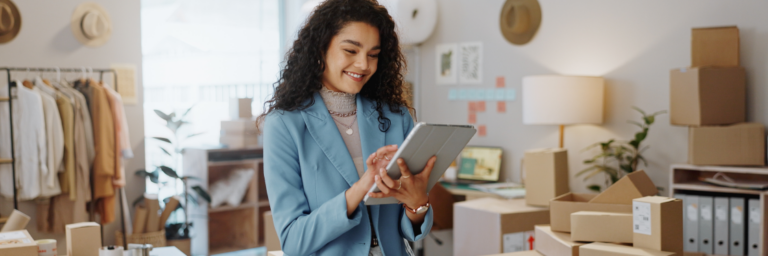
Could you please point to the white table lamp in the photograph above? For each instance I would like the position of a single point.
(561, 100)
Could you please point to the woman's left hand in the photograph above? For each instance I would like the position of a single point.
(410, 189)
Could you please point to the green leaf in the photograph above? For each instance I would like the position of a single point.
(162, 115)
(200, 191)
(595, 188)
(162, 139)
(586, 170)
(173, 125)
(166, 152)
(639, 110)
(593, 173)
(187, 112)
(151, 175)
(195, 134)
(168, 171)
(636, 123)
(168, 199)
(589, 161)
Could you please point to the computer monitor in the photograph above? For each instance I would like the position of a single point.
(480, 164)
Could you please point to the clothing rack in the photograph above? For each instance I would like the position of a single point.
(12, 160)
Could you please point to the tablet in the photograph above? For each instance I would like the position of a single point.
(426, 140)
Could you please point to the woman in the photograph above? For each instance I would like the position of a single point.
(339, 98)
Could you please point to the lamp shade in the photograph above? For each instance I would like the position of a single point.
(561, 100)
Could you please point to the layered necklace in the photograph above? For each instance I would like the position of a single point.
(349, 130)
(338, 104)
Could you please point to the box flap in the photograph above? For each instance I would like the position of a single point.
(82, 225)
(573, 197)
(599, 249)
(656, 199)
(18, 238)
(634, 185)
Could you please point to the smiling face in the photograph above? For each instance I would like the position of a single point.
(352, 57)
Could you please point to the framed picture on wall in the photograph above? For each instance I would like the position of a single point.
(471, 63)
(446, 64)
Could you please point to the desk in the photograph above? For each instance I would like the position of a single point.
(465, 193)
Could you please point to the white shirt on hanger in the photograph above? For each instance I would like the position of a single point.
(54, 134)
(29, 142)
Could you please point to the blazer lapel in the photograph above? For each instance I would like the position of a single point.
(325, 132)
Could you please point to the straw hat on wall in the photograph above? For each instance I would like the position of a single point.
(519, 21)
(91, 24)
(10, 21)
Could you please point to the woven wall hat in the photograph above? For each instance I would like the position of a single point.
(91, 24)
(519, 21)
(10, 21)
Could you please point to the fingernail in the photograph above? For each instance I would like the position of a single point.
(399, 161)
(377, 177)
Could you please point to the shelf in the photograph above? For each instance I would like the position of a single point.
(5, 161)
(3, 98)
(232, 208)
(233, 162)
(701, 186)
(729, 169)
(226, 249)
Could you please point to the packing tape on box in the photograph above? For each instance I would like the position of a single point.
(17, 221)
(111, 251)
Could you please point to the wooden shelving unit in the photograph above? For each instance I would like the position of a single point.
(685, 178)
(229, 228)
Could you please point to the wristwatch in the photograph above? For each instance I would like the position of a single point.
(419, 210)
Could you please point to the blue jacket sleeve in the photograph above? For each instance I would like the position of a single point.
(302, 231)
(406, 226)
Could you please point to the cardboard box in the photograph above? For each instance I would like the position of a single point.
(603, 249)
(523, 253)
(546, 175)
(715, 47)
(17, 243)
(552, 243)
(601, 227)
(492, 225)
(707, 96)
(240, 108)
(658, 224)
(83, 239)
(241, 133)
(271, 240)
(631, 186)
(739, 144)
(561, 208)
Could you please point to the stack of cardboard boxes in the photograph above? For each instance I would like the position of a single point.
(710, 98)
(626, 219)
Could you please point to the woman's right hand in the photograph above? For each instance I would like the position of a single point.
(375, 162)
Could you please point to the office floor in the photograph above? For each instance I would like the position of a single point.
(261, 251)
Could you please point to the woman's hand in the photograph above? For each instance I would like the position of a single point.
(410, 189)
(375, 162)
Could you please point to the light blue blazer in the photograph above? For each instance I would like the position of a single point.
(307, 169)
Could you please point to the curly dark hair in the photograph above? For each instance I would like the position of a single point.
(305, 61)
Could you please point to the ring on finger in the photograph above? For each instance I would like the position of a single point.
(405, 177)
(400, 185)
(386, 157)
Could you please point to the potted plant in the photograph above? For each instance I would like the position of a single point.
(172, 147)
(619, 158)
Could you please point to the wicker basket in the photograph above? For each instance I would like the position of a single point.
(156, 239)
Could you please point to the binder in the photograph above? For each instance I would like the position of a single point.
(691, 223)
(753, 232)
(737, 228)
(721, 225)
(706, 224)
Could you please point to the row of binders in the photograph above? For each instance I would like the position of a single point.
(721, 225)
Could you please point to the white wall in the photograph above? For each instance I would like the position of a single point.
(633, 44)
(46, 40)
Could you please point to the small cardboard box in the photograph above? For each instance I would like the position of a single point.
(561, 208)
(546, 175)
(271, 240)
(658, 224)
(707, 96)
(601, 227)
(240, 108)
(553, 243)
(739, 144)
(83, 239)
(17, 243)
(631, 186)
(523, 253)
(241, 133)
(492, 225)
(717, 47)
(603, 249)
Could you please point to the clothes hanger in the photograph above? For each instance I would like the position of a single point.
(26, 82)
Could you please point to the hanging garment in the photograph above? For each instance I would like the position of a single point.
(105, 164)
(121, 135)
(30, 151)
(66, 102)
(84, 148)
(84, 99)
(54, 134)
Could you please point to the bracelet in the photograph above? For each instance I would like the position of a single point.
(419, 209)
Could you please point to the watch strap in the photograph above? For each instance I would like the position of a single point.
(415, 211)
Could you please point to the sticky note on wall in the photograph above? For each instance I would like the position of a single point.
(500, 83)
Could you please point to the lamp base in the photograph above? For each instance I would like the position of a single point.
(562, 128)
